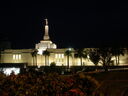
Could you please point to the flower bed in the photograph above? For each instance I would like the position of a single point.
(34, 84)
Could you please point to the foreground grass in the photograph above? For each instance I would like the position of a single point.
(113, 83)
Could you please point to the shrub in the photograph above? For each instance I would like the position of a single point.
(53, 64)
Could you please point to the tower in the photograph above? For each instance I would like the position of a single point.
(46, 43)
(46, 35)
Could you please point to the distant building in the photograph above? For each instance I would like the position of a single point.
(31, 58)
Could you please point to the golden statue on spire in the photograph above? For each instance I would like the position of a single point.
(46, 20)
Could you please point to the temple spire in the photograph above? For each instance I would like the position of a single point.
(46, 20)
(46, 35)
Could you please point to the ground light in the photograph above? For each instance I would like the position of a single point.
(8, 71)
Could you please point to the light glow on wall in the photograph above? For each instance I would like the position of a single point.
(19, 57)
(59, 55)
(88, 57)
(16, 56)
(56, 55)
(69, 49)
(62, 55)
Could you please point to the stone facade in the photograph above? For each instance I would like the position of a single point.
(56, 55)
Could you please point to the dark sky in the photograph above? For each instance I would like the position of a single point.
(72, 24)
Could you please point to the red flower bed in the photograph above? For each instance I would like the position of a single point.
(33, 84)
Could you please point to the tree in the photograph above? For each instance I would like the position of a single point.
(34, 56)
(53, 64)
(46, 53)
(68, 54)
(94, 57)
(81, 53)
(104, 56)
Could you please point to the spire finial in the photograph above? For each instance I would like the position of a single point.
(46, 20)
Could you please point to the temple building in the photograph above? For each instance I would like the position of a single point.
(37, 56)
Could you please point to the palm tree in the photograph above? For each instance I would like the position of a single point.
(117, 52)
(68, 54)
(34, 56)
(81, 53)
(46, 53)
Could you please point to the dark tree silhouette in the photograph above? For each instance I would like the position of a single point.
(34, 56)
(68, 53)
(94, 57)
(104, 56)
(46, 53)
(81, 53)
(117, 52)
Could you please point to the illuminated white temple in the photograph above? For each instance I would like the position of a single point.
(46, 43)
(29, 58)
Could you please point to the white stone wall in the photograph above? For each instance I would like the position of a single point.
(17, 56)
(55, 56)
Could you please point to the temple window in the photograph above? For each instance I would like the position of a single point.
(16, 56)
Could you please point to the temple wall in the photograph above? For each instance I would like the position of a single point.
(56, 55)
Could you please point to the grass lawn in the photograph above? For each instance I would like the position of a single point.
(112, 83)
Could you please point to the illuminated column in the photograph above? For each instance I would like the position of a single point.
(46, 35)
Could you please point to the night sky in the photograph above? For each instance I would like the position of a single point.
(71, 24)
